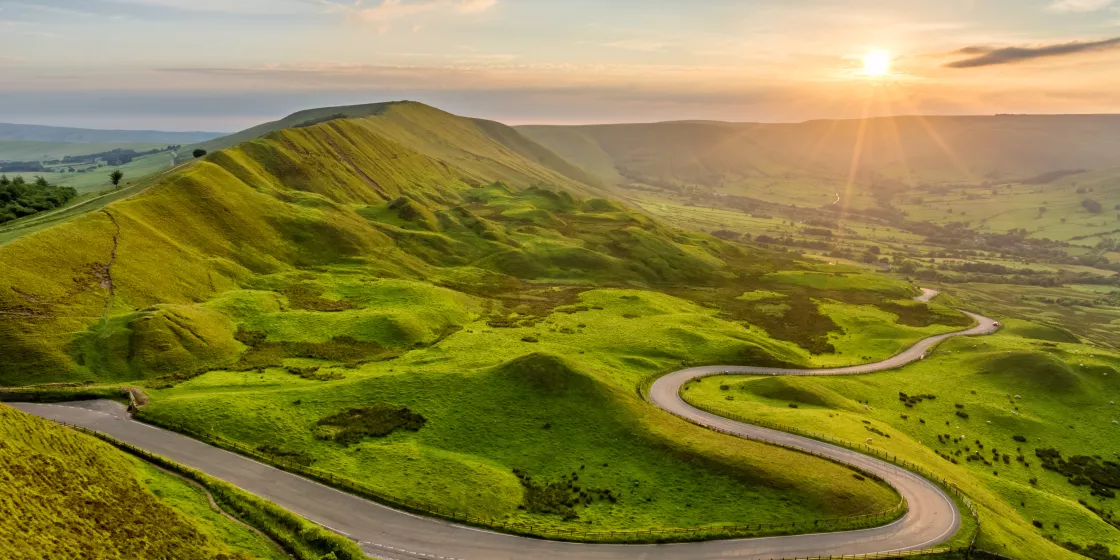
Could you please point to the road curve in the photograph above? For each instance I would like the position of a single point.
(388, 533)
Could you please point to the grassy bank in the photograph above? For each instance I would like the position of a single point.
(105, 506)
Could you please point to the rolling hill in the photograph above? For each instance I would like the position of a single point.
(39, 133)
(912, 150)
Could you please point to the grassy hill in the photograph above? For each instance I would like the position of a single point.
(427, 304)
(106, 505)
(471, 144)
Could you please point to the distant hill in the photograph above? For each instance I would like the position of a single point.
(910, 149)
(38, 133)
(19, 150)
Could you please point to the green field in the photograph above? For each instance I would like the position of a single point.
(97, 179)
(17, 150)
(1028, 381)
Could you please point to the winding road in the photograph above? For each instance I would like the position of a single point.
(383, 532)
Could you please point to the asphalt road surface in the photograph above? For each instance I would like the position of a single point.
(387, 533)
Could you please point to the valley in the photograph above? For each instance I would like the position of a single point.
(445, 312)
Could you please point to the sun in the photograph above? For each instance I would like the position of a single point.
(877, 63)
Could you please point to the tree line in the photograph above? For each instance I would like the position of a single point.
(19, 198)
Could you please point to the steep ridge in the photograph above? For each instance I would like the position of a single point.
(476, 146)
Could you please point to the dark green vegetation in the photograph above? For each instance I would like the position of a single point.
(1023, 421)
(105, 505)
(378, 420)
(19, 198)
(416, 264)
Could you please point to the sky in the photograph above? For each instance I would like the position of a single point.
(224, 65)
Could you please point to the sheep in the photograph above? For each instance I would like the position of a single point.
(869, 441)
(1018, 397)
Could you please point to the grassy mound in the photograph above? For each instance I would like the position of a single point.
(1030, 370)
(1040, 332)
(545, 374)
(798, 390)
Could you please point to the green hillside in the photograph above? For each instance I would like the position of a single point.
(106, 505)
(474, 145)
(427, 304)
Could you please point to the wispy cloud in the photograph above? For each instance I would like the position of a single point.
(636, 45)
(988, 56)
(1078, 6)
(389, 10)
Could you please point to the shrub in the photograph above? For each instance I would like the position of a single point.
(379, 420)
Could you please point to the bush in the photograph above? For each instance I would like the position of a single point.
(379, 420)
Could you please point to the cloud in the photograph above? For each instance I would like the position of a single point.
(989, 56)
(1078, 6)
(636, 45)
(389, 10)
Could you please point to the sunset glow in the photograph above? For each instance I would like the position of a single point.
(877, 63)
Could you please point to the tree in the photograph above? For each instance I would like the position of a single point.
(116, 177)
(199, 153)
